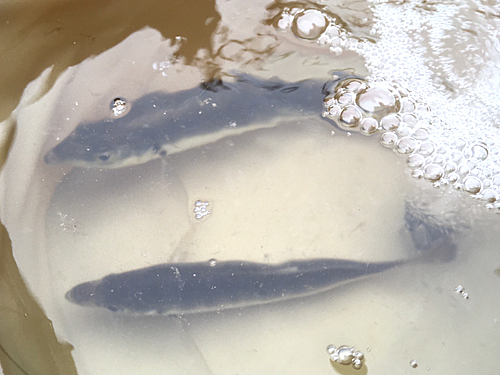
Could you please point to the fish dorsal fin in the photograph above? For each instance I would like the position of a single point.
(274, 84)
(214, 85)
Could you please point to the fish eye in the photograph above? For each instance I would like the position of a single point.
(104, 156)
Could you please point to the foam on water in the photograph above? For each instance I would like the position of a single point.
(432, 93)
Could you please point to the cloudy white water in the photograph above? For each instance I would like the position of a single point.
(293, 188)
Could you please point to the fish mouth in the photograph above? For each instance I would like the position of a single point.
(51, 158)
(82, 294)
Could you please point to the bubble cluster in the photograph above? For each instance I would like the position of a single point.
(201, 209)
(316, 25)
(461, 290)
(346, 355)
(408, 126)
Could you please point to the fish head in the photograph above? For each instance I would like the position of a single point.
(106, 144)
(83, 294)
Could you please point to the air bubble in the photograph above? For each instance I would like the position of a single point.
(333, 111)
(413, 363)
(438, 159)
(410, 119)
(415, 161)
(350, 117)
(403, 131)
(479, 151)
(456, 156)
(472, 185)
(417, 174)
(118, 106)
(433, 172)
(450, 167)
(201, 209)
(405, 146)
(212, 262)
(427, 148)
(353, 85)
(345, 98)
(453, 177)
(390, 122)
(376, 100)
(463, 169)
(421, 134)
(460, 144)
(489, 195)
(407, 106)
(284, 22)
(369, 126)
(309, 24)
(388, 139)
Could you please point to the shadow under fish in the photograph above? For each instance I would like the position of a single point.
(161, 124)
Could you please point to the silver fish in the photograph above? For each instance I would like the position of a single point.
(161, 124)
(185, 288)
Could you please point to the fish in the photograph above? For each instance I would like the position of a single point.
(160, 124)
(188, 288)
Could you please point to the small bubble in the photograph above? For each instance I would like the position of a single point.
(417, 174)
(404, 131)
(438, 159)
(350, 117)
(201, 209)
(407, 106)
(472, 185)
(413, 363)
(415, 161)
(377, 100)
(427, 148)
(405, 146)
(118, 106)
(345, 98)
(390, 122)
(433, 173)
(353, 85)
(421, 134)
(212, 262)
(388, 139)
(309, 24)
(369, 126)
(460, 144)
(479, 151)
(459, 289)
(456, 156)
(463, 169)
(410, 119)
(332, 112)
(489, 195)
(284, 22)
(450, 167)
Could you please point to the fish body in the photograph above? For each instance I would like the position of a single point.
(184, 288)
(160, 124)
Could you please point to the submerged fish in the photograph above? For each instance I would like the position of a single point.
(182, 288)
(161, 124)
